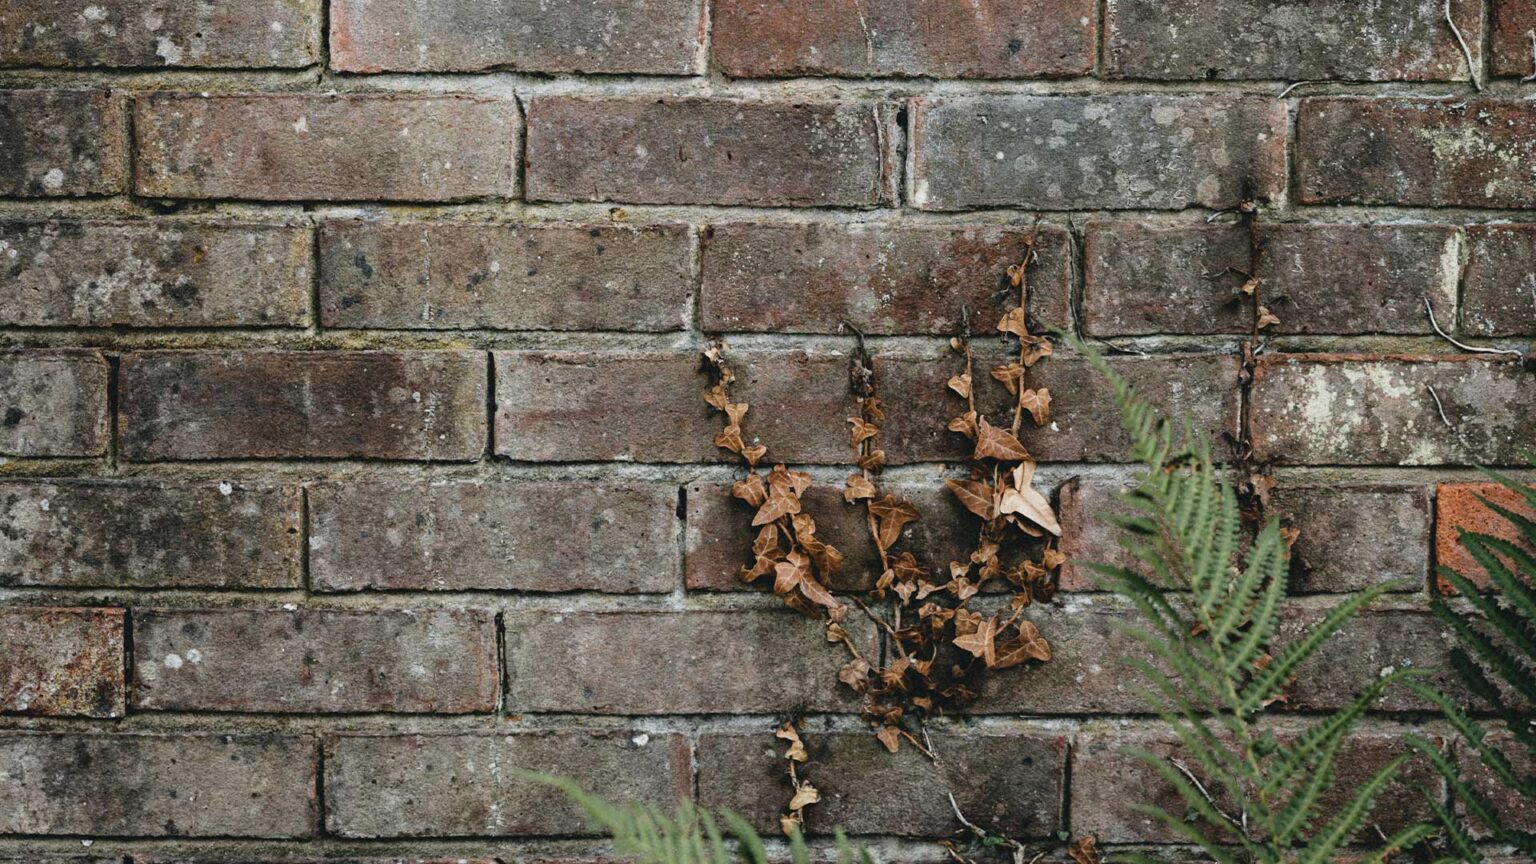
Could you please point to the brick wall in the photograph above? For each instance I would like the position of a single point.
(351, 438)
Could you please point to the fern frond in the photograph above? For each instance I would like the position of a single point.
(1268, 683)
(1351, 818)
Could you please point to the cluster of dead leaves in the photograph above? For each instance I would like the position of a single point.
(805, 794)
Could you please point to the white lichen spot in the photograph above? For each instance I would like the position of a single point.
(153, 19)
(94, 13)
(44, 504)
(53, 180)
(168, 51)
(277, 26)
(301, 124)
(641, 740)
(194, 655)
(173, 661)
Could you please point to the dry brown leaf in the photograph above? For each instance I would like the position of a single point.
(1084, 850)
(1013, 322)
(729, 438)
(790, 481)
(1052, 559)
(855, 673)
(789, 824)
(1031, 505)
(857, 487)
(796, 751)
(862, 431)
(1038, 404)
(890, 736)
(995, 443)
(777, 506)
(1266, 318)
(974, 495)
(754, 455)
(980, 643)
(961, 384)
(805, 796)
(1011, 374)
(891, 515)
(717, 397)
(1028, 645)
(735, 412)
(750, 489)
(1036, 348)
(965, 424)
(872, 461)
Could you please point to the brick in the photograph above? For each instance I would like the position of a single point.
(1372, 644)
(1318, 279)
(263, 404)
(884, 279)
(61, 662)
(1112, 152)
(53, 403)
(61, 143)
(149, 534)
(1397, 40)
(1089, 670)
(1088, 536)
(493, 535)
(511, 277)
(1415, 152)
(466, 785)
(1511, 47)
(350, 147)
(144, 785)
(605, 37)
(710, 151)
(1499, 293)
(1011, 781)
(422, 661)
(631, 662)
(1459, 507)
(1371, 409)
(926, 38)
(1353, 537)
(155, 274)
(147, 33)
(1515, 811)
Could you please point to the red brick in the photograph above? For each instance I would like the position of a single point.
(1088, 534)
(423, 661)
(927, 38)
(1088, 672)
(1318, 279)
(148, 33)
(62, 143)
(1379, 410)
(655, 38)
(264, 404)
(493, 535)
(1512, 55)
(1459, 507)
(155, 274)
(466, 785)
(1355, 536)
(710, 151)
(1420, 152)
(1370, 645)
(883, 279)
(349, 147)
(1499, 293)
(1515, 811)
(1011, 781)
(1111, 152)
(53, 403)
(759, 662)
(1396, 40)
(423, 275)
(61, 661)
(149, 785)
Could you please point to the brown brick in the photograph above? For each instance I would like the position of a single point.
(1515, 811)
(61, 143)
(1011, 781)
(928, 38)
(1364, 410)
(262, 404)
(53, 403)
(148, 534)
(1088, 535)
(422, 661)
(1089, 671)
(147, 33)
(1114, 152)
(1396, 40)
(710, 151)
(1328, 279)
(154, 274)
(513, 277)
(1499, 294)
(350, 147)
(1511, 48)
(1370, 645)
(493, 535)
(638, 662)
(883, 279)
(1459, 507)
(463, 785)
(655, 38)
(61, 661)
(1353, 537)
(1431, 153)
(139, 785)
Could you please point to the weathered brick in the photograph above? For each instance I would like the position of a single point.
(1352, 537)
(1515, 812)
(1089, 671)
(1012, 781)
(61, 661)
(1117, 151)
(437, 661)
(1511, 51)
(929, 38)
(462, 785)
(883, 279)
(1459, 507)
(53, 403)
(1469, 153)
(512, 277)
(656, 38)
(1331, 279)
(1346, 409)
(148, 33)
(261, 404)
(1088, 535)
(1397, 40)
(710, 151)
(149, 534)
(633, 662)
(62, 143)
(1499, 294)
(350, 147)
(154, 274)
(493, 535)
(1370, 645)
(141, 785)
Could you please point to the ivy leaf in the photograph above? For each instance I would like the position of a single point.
(750, 490)
(796, 751)
(965, 424)
(778, 505)
(1083, 850)
(961, 384)
(892, 514)
(1011, 375)
(857, 487)
(1038, 404)
(1028, 645)
(855, 673)
(975, 495)
(862, 431)
(995, 443)
(805, 796)
(980, 643)
(1013, 322)
(1030, 504)
(890, 736)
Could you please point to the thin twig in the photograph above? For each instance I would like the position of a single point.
(1287, 91)
(1531, 77)
(1430, 311)
(1122, 349)
(1465, 51)
(1241, 825)
(1439, 407)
